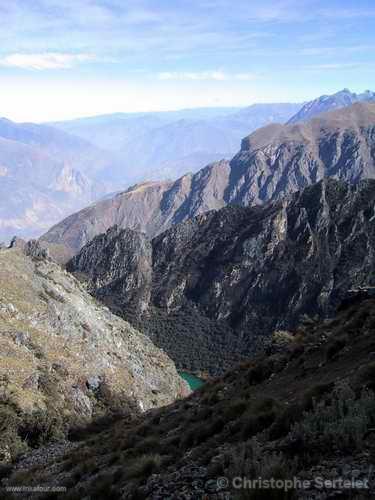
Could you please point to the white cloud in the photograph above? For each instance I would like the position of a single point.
(47, 60)
(218, 76)
(338, 66)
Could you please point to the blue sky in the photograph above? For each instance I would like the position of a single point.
(67, 58)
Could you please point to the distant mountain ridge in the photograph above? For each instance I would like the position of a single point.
(164, 145)
(273, 162)
(326, 103)
(45, 174)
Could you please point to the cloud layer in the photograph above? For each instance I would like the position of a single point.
(47, 60)
(218, 76)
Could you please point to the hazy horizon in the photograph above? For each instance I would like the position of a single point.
(67, 59)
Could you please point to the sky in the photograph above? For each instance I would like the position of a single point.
(62, 59)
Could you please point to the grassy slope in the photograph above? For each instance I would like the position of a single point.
(280, 415)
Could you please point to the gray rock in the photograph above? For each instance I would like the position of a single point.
(22, 338)
(117, 264)
(35, 250)
(93, 383)
(82, 403)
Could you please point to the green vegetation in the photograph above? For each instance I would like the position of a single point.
(190, 337)
(272, 417)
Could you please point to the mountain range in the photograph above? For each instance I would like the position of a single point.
(273, 161)
(165, 145)
(50, 171)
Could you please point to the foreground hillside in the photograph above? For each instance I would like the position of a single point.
(65, 359)
(304, 411)
(222, 282)
(273, 162)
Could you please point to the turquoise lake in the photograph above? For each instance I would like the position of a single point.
(193, 381)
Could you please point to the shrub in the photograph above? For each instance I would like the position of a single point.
(250, 461)
(235, 409)
(40, 427)
(102, 487)
(148, 444)
(366, 375)
(11, 444)
(143, 466)
(201, 432)
(257, 423)
(334, 347)
(81, 432)
(259, 373)
(259, 417)
(340, 423)
(282, 425)
(5, 471)
(314, 394)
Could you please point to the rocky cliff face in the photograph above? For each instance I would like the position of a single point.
(273, 162)
(118, 264)
(65, 359)
(277, 160)
(237, 274)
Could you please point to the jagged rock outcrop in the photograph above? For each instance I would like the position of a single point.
(35, 250)
(273, 162)
(118, 264)
(65, 359)
(237, 274)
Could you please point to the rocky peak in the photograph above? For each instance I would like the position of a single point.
(326, 103)
(71, 181)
